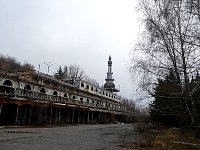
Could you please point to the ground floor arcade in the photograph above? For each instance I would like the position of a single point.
(21, 112)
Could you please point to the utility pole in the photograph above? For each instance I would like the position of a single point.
(49, 65)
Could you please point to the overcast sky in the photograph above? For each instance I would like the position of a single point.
(83, 32)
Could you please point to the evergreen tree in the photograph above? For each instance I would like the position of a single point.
(59, 74)
(167, 106)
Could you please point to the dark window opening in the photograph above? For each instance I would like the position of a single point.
(55, 93)
(92, 88)
(8, 83)
(74, 97)
(65, 95)
(88, 100)
(81, 99)
(87, 86)
(28, 87)
(42, 90)
(82, 84)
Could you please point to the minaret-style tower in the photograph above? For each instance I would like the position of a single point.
(109, 85)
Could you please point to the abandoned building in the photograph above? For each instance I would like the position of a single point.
(35, 98)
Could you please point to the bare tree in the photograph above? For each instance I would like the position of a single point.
(170, 42)
(73, 73)
(11, 64)
(90, 81)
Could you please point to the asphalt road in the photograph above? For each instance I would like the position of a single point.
(80, 137)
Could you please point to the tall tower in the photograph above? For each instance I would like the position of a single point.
(109, 85)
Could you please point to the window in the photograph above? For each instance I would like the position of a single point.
(92, 88)
(82, 84)
(96, 90)
(74, 97)
(55, 93)
(81, 99)
(87, 86)
(88, 100)
(28, 87)
(103, 93)
(65, 95)
(8, 83)
(42, 90)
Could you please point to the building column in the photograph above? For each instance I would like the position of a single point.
(29, 119)
(92, 117)
(78, 116)
(73, 116)
(68, 116)
(83, 117)
(88, 117)
(1, 107)
(50, 121)
(99, 117)
(59, 116)
(16, 117)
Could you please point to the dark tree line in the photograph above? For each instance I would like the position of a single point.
(8, 63)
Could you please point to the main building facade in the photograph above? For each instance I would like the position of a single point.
(35, 98)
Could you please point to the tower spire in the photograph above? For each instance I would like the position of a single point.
(109, 73)
(109, 85)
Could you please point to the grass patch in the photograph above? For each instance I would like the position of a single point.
(163, 138)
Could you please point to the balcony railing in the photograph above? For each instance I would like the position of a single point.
(21, 93)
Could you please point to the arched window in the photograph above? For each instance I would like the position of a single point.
(55, 93)
(28, 87)
(42, 90)
(82, 84)
(81, 99)
(8, 83)
(87, 86)
(92, 88)
(74, 97)
(88, 100)
(65, 95)
(96, 90)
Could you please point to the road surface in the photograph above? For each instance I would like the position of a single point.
(80, 137)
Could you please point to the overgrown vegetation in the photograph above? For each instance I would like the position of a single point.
(168, 57)
(158, 137)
